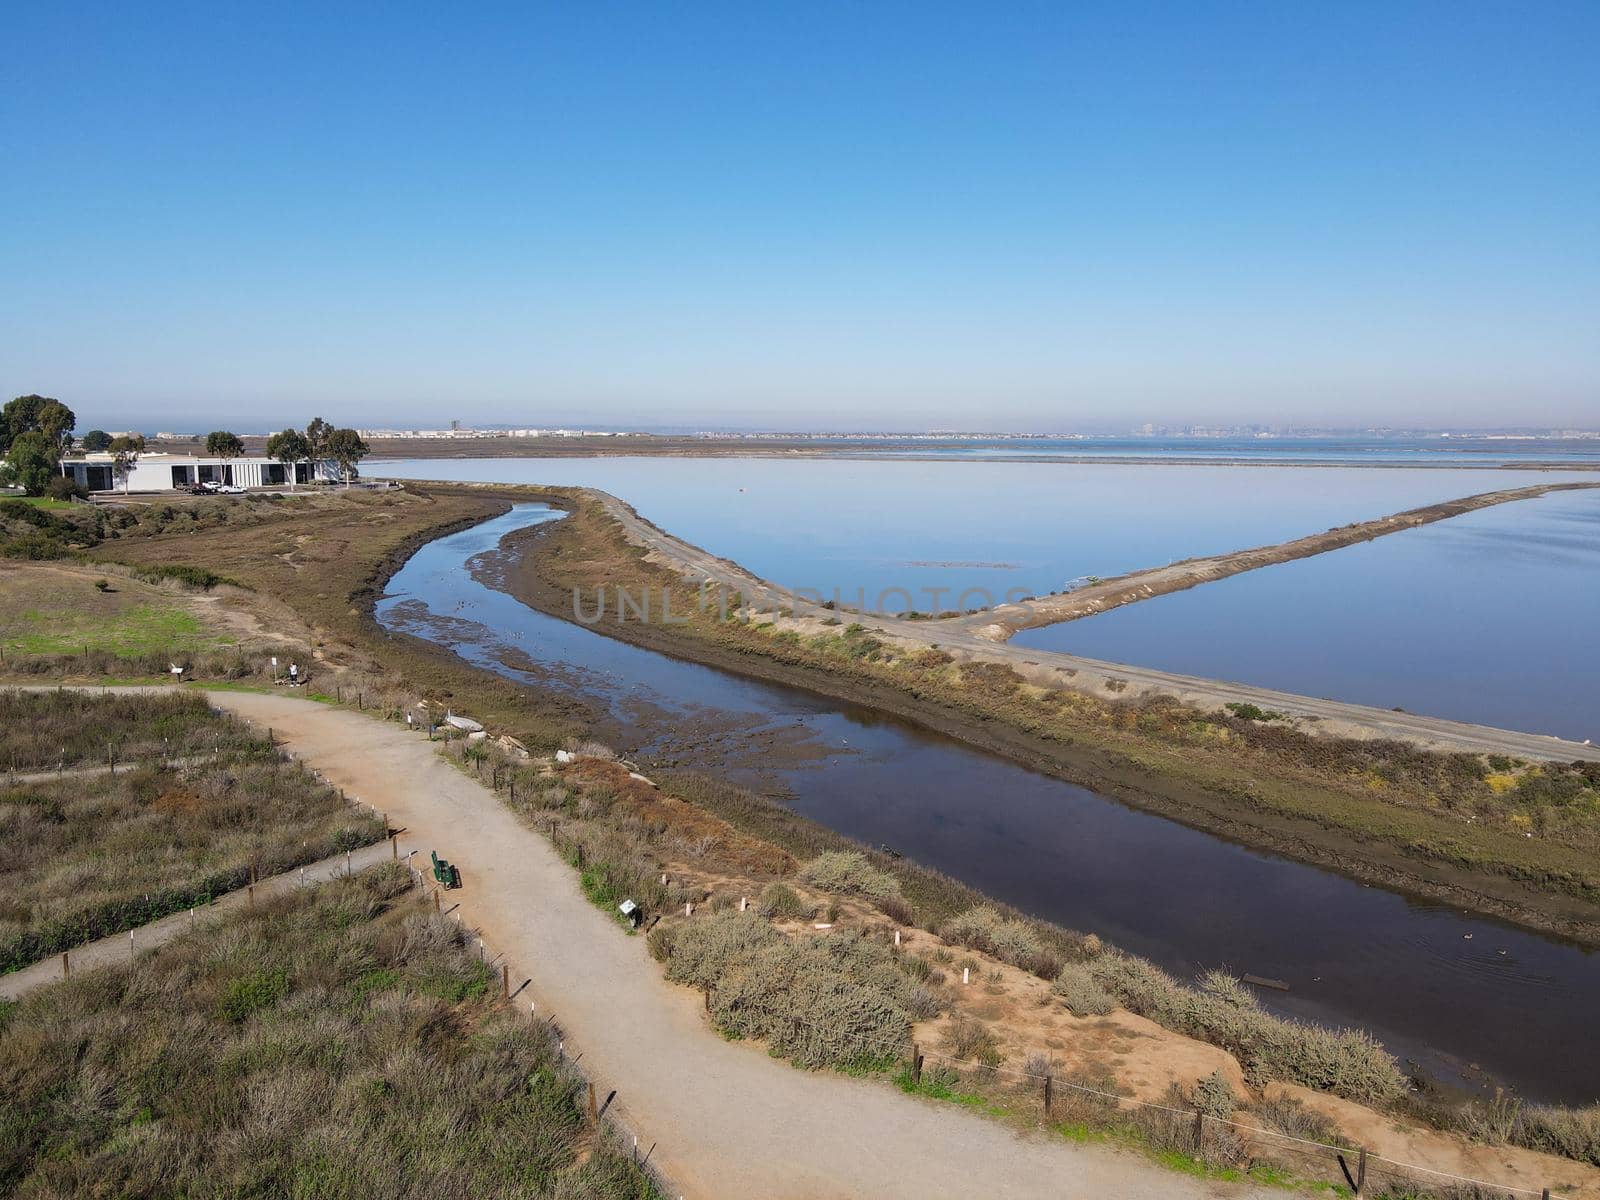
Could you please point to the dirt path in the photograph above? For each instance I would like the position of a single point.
(1114, 680)
(119, 947)
(726, 1119)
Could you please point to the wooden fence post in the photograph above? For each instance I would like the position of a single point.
(594, 1112)
(505, 980)
(1048, 1097)
(435, 899)
(1361, 1171)
(66, 965)
(916, 1063)
(1199, 1129)
(250, 895)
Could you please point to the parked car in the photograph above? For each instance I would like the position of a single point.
(198, 489)
(229, 489)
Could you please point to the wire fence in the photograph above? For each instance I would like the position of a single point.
(1353, 1162)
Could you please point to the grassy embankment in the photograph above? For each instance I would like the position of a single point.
(324, 558)
(335, 1042)
(92, 855)
(1500, 834)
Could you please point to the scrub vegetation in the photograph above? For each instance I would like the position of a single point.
(335, 1042)
(44, 730)
(89, 856)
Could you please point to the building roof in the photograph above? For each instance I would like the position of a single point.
(162, 456)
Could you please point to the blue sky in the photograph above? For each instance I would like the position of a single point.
(1031, 216)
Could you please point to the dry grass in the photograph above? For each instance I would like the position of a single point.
(333, 1043)
(40, 731)
(93, 856)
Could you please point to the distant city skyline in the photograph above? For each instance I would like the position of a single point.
(819, 217)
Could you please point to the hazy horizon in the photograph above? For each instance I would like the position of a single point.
(896, 218)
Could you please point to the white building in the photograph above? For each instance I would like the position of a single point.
(159, 472)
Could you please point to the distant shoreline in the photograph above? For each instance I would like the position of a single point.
(401, 449)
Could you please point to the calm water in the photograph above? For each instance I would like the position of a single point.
(1493, 617)
(868, 526)
(1519, 1005)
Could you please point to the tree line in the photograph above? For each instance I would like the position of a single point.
(36, 432)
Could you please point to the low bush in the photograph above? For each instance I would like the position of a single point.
(835, 1001)
(1290, 1116)
(1079, 991)
(1010, 940)
(1347, 1063)
(897, 910)
(849, 872)
(1214, 1096)
(198, 577)
(1555, 1129)
(970, 1041)
(783, 903)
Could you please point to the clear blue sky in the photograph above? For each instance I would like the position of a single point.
(808, 214)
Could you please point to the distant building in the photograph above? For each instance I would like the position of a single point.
(161, 472)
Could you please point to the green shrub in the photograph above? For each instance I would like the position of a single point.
(198, 577)
(835, 1001)
(1010, 940)
(254, 992)
(783, 903)
(1227, 989)
(701, 952)
(1214, 1096)
(1082, 995)
(1347, 1063)
(848, 871)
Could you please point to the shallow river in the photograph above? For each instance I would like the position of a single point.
(1517, 1005)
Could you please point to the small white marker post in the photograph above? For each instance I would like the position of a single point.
(688, 908)
(897, 938)
(744, 903)
(966, 974)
